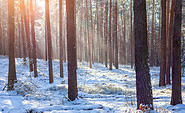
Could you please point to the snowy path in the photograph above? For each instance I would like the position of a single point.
(100, 90)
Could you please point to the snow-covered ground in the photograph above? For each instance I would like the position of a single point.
(99, 90)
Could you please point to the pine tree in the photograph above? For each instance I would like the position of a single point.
(71, 49)
(12, 70)
(23, 32)
(61, 38)
(33, 38)
(143, 80)
(110, 39)
(49, 41)
(163, 45)
(176, 97)
(115, 33)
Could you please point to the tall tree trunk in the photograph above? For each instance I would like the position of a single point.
(33, 38)
(23, 32)
(71, 49)
(143, 80)
(57, 38)
(176, 97)
(167, 44)
(169, 38)
(115, 34)
(110, 39)
(92, 32)
(80, 40)
(49, 41)
(124, 42)
(152, 39)
(61, 40)
(158, 41)
(89, 40)
(26, 21)
(163, 45)
(46, 39)
(131, 37)
(19, 38)
(106, 32)
(12, 70)
(101, 34)
(27, 16)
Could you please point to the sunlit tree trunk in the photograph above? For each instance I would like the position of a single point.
(46, 39)
(12, 70)
(57, 38)
(61, 38)
(27, 16)
(64, 42)
(49, 41)
(23, 32)
(92, 32)
(33, 37)
(26, 23)
(19, 38)
(89, 40)
(80, 47)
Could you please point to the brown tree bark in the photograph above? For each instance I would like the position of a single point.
(158, 40)
(26, 23)
(163, 45)
(167, 44)
(46, 39)
(115, 34)
(143, 80)
(101, 53)
(23, 33)
(71, 49)
(49, 42)
(106, 33)
(92, 33)
(131, 37)
(61, 38)
(169, 38)
(28, 35)
(33, 38)
(152, 38)
(110, 39)
(89, 39)
(176, 97)
(124, 42)
(19, 39)
(12, 70)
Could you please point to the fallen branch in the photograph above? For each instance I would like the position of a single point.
(4, 87)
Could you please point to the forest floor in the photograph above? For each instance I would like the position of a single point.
(99, 90)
